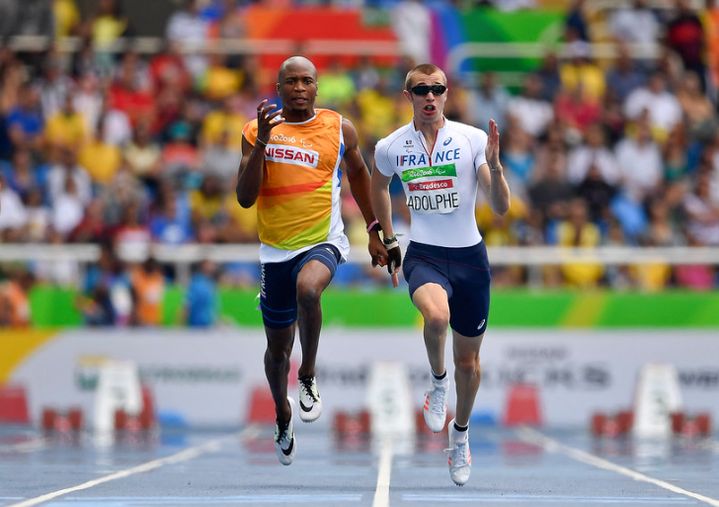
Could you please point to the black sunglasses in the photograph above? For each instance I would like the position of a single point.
(425, 89)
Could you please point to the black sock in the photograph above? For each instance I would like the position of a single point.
(439, 377)
(460, 428)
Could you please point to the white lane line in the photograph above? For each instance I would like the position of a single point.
(301, 498)
(381, 494)
(532, 436)
(186, 455)
(438, 499)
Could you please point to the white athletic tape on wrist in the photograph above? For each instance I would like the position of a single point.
(392, 244)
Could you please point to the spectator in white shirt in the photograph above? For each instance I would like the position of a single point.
(593, 153)
(187, 27)
(412, 23)
(635, 24)
(67, 209)
(113, 125)
(88, 100)
(67, 167)
(13, 217)
(702, 214)
(640, 163)
(663, 107)
(531, 111)
(489, 101)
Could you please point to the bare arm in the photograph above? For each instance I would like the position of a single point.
(359, 180)
(252, 165)
(382, 204)
(491, 175)
(381, 201)
(249, 178)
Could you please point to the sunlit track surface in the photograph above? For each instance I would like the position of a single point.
(511, 467)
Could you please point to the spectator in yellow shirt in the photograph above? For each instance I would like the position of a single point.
(578, 231)
(67, 126)
(228, 119)
(67, 18)
(220, 81)
(241, 226)
(580, 69)
(206, 202)
(101, 160)
(107, 24)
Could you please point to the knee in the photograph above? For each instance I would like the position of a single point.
(277, 354)
(308, 295)
(468, 364)
(437, 320)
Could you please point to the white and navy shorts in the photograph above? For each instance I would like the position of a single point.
(462, 272)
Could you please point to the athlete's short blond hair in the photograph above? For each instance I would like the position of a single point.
(426, 69)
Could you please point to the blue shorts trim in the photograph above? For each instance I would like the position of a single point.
(278, 284)
(464, 274)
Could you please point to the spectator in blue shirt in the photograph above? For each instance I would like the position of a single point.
(169, 225)
(201, 301)
(25, 123)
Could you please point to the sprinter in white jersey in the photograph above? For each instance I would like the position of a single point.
(440, 164)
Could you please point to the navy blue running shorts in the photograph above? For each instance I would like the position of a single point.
(462, 272)
(278, 284)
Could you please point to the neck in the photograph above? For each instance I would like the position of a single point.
(429, 129)
(298, 116)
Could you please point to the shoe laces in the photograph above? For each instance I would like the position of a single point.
(438, 400)
(459, 454)
(309, 387)
(281, 432)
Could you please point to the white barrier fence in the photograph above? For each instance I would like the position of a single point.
(501, 256)
(182, 257)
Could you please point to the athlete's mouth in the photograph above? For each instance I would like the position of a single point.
(430, 108)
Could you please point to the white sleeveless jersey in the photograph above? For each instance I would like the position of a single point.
(440, 181)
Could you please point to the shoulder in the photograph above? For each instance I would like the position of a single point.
(386, 143)
(475, 135)
(250, 127)
(329, 119)
(329, 115)
(348, 125)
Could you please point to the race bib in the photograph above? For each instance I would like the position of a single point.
(432, 189)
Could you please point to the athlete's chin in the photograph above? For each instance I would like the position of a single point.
(430, 118)
(295, 110)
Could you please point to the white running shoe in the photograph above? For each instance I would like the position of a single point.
(460, 459)
(285, 445)
(310, 401)
(435, 404)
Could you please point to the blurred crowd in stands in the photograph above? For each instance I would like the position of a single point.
(128, 150)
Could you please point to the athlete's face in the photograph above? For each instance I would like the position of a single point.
(298, 89)
(427, 108)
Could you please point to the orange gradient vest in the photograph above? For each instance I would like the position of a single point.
(299, 202)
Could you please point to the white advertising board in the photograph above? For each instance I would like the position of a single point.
(205, 378)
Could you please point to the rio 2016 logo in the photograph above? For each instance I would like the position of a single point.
(282, 138)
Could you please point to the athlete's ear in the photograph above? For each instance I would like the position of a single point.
(317, 88)
(278, 89)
